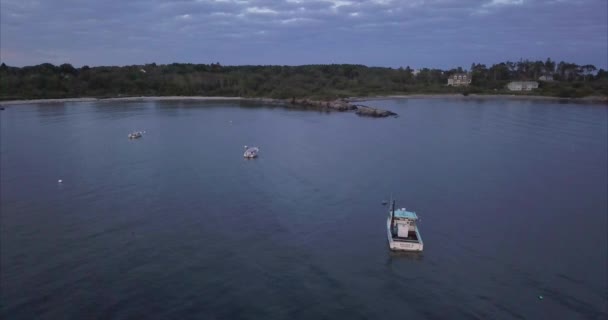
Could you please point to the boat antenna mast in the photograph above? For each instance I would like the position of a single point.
(392, 215)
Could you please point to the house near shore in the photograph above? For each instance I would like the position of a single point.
(522, 85)
(548, 78)
(459, 79)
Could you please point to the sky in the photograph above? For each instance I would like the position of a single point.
(392, 33)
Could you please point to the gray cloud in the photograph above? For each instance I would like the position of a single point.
(440, 33)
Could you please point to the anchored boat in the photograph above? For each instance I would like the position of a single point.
(251, 152)
(136, 135)
(403, 234)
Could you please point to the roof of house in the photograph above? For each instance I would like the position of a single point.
(459, 74)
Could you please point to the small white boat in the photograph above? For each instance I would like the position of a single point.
(251, 153)
(136, 135)
(402, 231)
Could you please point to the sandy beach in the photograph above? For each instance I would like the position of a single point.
(591, 99)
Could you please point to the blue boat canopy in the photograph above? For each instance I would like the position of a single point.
(402, 213)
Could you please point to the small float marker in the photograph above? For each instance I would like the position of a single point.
(59, 181)
(540, 297)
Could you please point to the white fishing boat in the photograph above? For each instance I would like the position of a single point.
(402, 231)
(251, 153)
(136, 135)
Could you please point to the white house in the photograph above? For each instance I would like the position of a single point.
(522, 85)
(459, 79)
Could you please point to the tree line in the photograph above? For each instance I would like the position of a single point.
(313, 81)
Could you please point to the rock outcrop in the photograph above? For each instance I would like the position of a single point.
(365, 111)
(341, 105)
(337, 105)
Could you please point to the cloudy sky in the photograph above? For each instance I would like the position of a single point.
(418, 33)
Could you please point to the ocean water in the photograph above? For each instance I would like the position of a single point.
(512, 197)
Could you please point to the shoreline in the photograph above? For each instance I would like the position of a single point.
(127, 99)
(591, 99)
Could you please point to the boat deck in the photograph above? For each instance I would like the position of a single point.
(411, 237)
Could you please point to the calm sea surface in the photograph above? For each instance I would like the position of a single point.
(512, 197)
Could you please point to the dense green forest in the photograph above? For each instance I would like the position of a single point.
(314, 81)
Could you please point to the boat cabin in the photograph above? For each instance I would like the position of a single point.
(404, 225)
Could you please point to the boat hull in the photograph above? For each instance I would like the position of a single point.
(400, 245)
(251, 153)
(135, 135)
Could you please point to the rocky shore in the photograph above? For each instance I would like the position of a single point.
(337, 105)
(342, 105)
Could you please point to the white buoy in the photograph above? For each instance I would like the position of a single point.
(60, 181)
